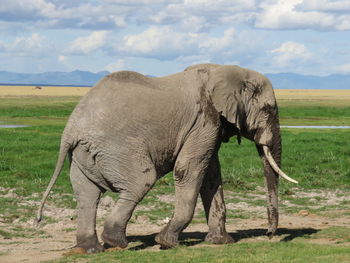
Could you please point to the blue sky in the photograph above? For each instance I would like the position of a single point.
(160, 37)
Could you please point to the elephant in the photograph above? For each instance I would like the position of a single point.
(130, 130)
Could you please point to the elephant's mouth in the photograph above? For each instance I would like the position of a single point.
(264, 139)
(274, 165)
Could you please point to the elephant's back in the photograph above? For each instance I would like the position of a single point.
(127, 102)
(129, 78)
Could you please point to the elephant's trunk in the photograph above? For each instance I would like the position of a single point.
(269, 146)
(271, 180)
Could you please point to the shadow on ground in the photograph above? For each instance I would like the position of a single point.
(194, 238)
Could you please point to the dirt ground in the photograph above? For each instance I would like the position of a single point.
(56, 235)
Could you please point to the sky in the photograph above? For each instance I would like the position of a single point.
(161, 37)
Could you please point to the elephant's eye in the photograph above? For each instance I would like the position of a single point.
(245, 86)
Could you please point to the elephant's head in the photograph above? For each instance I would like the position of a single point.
(246, 102)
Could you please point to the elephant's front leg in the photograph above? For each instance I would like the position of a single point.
(213, 201)
(190, 168)
(88, 196)
(186, 194)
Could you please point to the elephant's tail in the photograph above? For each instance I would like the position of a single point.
(64, 149)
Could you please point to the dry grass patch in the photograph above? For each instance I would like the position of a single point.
(323, 97)
(333, 98)
(49, 91)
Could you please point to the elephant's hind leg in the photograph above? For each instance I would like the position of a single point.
(88, 196)
(213, 201)
(114, 232)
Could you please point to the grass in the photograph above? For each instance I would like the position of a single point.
(315, 115)
(39, 107)
(314, 107)
(20, 232)
(317, 158)
(296, 245)
(340, 235)
(258, 252)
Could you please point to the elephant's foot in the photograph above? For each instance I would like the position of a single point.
(75, 251)
(87, 247)
(166, 240)
(219, 238)
(270, 232)
(114, 240)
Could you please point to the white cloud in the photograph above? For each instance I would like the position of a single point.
(31, 46)
(344, 69)
(86, 45)
(64, 63)
(325, 5)
(220, 5)
(220, 43)
(193, 59)
(120, 64)
(65, 14)
(190, 15)
(62, 59)
(140, 2)
(15, 9)
(180, 32)
(291, 53)
(28, 43)
(290, 14)
(120, 21)
(2, 46)
(194, 24)
(160, 42)
(238, 18)
(87, 16)
(12, 10)
(209, 12)
(166, 43)
(168, 15)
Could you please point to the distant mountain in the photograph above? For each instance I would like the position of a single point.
(85, 78)
(74, 78)
(296, 81)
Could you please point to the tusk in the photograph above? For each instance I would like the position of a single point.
(275, 166)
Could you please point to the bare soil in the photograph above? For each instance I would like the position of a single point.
(56, 235)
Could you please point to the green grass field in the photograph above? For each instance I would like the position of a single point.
(261, 252)
(318, 159)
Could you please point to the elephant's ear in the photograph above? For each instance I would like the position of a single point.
(253, 84)
(225, 87)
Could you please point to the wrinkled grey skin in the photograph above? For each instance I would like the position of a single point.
(130, 130)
